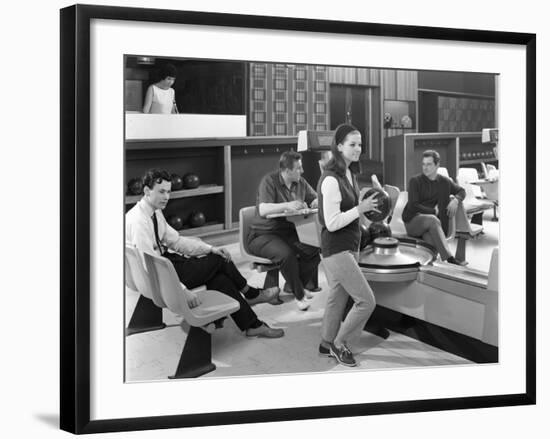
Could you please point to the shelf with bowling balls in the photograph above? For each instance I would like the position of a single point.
(182, 187)
(193, 223)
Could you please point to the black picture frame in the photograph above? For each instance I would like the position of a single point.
(75, 217)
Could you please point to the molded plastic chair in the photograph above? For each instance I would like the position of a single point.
(393, 192)
(147, 315)
(443, 171)
(398, 226)
(128, 276)
(473, 202)
(196, 356)
(246, 215)
(491, 188)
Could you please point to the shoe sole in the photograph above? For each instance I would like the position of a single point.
(265, 336)
(273, 301)
(341, 362)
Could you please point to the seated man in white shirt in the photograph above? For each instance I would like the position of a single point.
(196, 262)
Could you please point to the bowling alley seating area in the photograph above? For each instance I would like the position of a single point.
(154, 355)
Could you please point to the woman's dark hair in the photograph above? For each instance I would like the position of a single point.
(288, 158)
(167, 70)
(433, 154)
(155, 176)
(337, 163)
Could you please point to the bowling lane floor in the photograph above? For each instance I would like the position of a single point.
(154, 355)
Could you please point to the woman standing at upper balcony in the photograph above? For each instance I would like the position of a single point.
(160, 97)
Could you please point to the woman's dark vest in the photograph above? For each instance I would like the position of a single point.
(346, 238)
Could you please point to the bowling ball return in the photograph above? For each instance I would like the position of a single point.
(447, 306)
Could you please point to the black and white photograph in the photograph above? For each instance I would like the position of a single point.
(292, 203)
(275, 219)
(295, 218)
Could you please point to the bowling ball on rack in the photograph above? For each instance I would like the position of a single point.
(177, 182)
(135, 186)
(197, 219)
(384, 204)
(175, 221)
(379, 229)
(365, 237)
(191, 181)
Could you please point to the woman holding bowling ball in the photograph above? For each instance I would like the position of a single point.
(340, 212)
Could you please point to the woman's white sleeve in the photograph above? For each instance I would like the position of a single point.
(335, 219)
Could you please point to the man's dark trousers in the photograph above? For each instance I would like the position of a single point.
(299, 262)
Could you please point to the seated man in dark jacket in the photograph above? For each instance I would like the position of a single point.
(430, 206)
(276, 238)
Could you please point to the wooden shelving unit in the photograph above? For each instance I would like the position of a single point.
(205, 189)
(478, 161)
(188, 155)
(206, 230)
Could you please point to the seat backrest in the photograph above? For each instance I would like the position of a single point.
(128, 276)
(163, 276)
(396, 223)
(443, 171)
(246, 215)
(142, 279)
(451, 229)
(393, 192)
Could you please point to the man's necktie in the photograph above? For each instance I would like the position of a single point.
(156, 227)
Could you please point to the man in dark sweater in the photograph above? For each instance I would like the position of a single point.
(433, 199)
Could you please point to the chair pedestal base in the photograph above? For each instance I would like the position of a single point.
(460, 254)
(132, 331)
(203, 370)
(146, 317)
(272, 278)
(196, 356)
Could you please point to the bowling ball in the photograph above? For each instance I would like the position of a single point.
(177, 182)
(197, 219)
(191, 181)
(365, 237)
(175, 221)
(379, 229)
(135, 186)
(384, 204)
